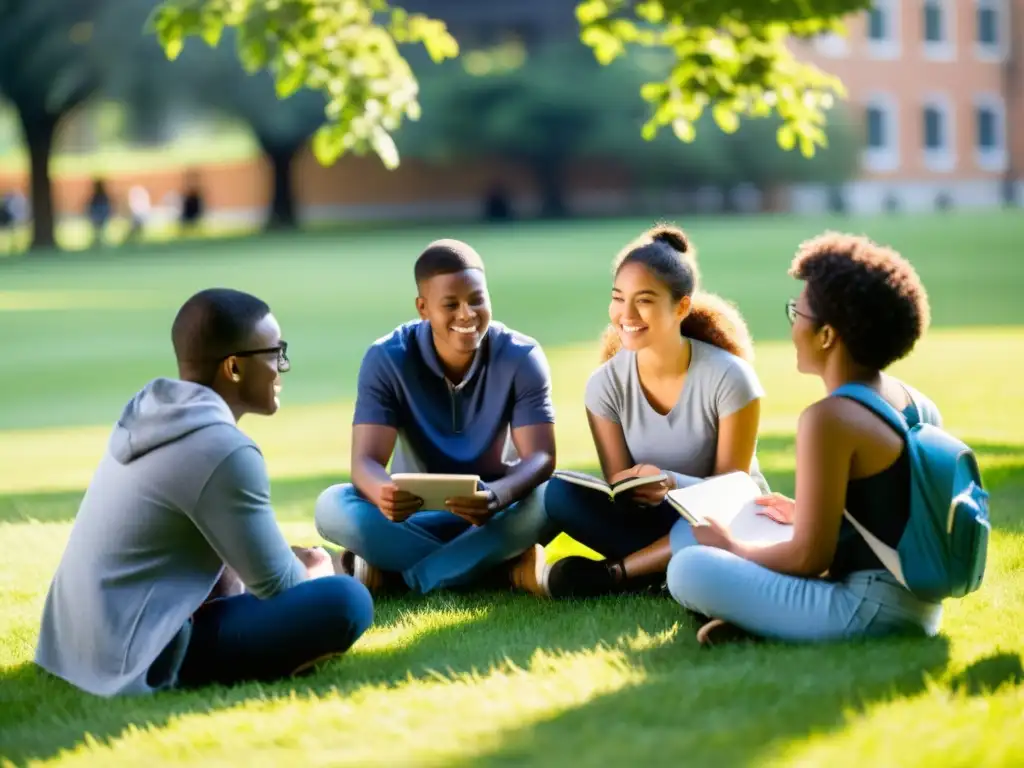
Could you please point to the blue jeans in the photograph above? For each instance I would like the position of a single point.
(613, 529)
(722, 585)
(433, 549)
(241, 638)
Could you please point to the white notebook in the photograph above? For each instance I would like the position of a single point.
(729, 500)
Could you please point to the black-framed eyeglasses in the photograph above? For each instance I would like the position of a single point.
(792, 313)
(281, 350)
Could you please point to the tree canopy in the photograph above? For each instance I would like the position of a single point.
(731, 57)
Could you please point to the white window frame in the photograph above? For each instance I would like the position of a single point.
(883, 159)
(890, 47)
(943, 159)
(997, 158)
(832, 45)
(945, 49)
(1000, 50)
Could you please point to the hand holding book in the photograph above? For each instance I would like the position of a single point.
(651, 493)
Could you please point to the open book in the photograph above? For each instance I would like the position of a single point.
(612, 489)
(436, 489)
(729, 500)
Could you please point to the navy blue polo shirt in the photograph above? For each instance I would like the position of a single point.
(444, 428)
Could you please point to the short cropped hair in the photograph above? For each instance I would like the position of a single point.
(213, 324)
(868, 293)
(445, 257)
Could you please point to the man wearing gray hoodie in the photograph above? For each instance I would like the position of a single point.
(181, 493)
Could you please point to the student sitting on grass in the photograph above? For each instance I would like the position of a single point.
(180, 493)
(862, 308)
(676, 395)
(442, 394)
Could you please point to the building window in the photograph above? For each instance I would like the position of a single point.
(884, 29)
(937, 134)
(832, 45)
(939, 37)
(989, 35)
(990, 132)
(881, 150)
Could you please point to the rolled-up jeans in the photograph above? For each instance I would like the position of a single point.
(431, 549)
(769, 604)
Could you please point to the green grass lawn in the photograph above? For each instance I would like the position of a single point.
(494, 679)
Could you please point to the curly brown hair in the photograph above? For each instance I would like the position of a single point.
(868, 293)
(667, 253)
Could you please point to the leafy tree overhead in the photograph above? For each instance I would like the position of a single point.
(46, 71)
(731, 56)
(348, 51)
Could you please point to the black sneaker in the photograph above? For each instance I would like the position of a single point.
(576, 576)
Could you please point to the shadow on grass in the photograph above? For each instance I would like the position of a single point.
(731, 706)
(723, 707)
(988, 674)
(439, 637)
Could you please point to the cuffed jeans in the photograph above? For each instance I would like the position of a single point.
(431, 549)
(722, 585)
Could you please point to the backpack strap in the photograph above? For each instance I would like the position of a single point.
(870, 399)
(881, 407)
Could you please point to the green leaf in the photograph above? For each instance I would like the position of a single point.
(385, 148)
(786, 137)
(328, 144)
(173, 45)
(806, 146)
(590, 11)
(725, 117)
(289, 81)
(684, 130)
(213, 27)
(652, 11)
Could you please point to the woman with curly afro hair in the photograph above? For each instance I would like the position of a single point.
(861, 309)
(675, 396)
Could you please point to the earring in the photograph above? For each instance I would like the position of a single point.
(236, 378)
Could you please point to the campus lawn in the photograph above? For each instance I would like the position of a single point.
(500, 679)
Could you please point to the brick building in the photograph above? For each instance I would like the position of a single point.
(939, 87)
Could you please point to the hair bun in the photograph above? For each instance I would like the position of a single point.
(672, 236)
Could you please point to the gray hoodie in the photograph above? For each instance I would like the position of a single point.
(180, 492)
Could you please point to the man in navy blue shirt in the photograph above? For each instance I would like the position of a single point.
(450, 393)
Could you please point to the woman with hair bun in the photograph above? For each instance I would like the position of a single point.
(675, 394)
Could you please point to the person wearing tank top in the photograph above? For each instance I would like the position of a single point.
(676, 394)
(862, 308)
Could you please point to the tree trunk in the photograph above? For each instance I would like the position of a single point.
(282, 213)
(550, 178)
(38, 134)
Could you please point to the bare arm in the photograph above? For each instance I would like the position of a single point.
(824, 450)
(372, 446)
(535, 445)
(610, 442)
(737, 436)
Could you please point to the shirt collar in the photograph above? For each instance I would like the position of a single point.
(425, 341)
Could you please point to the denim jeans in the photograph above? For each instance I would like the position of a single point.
(613, 529)
(722, 585)
(242, 638)
(432, 549)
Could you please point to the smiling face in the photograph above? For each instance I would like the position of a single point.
(458, 308)
(643, 310)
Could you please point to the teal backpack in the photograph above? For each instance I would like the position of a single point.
(943, 549)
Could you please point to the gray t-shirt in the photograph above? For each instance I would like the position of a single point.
(685, 440)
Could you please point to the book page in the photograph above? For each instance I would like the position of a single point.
(729, 500)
